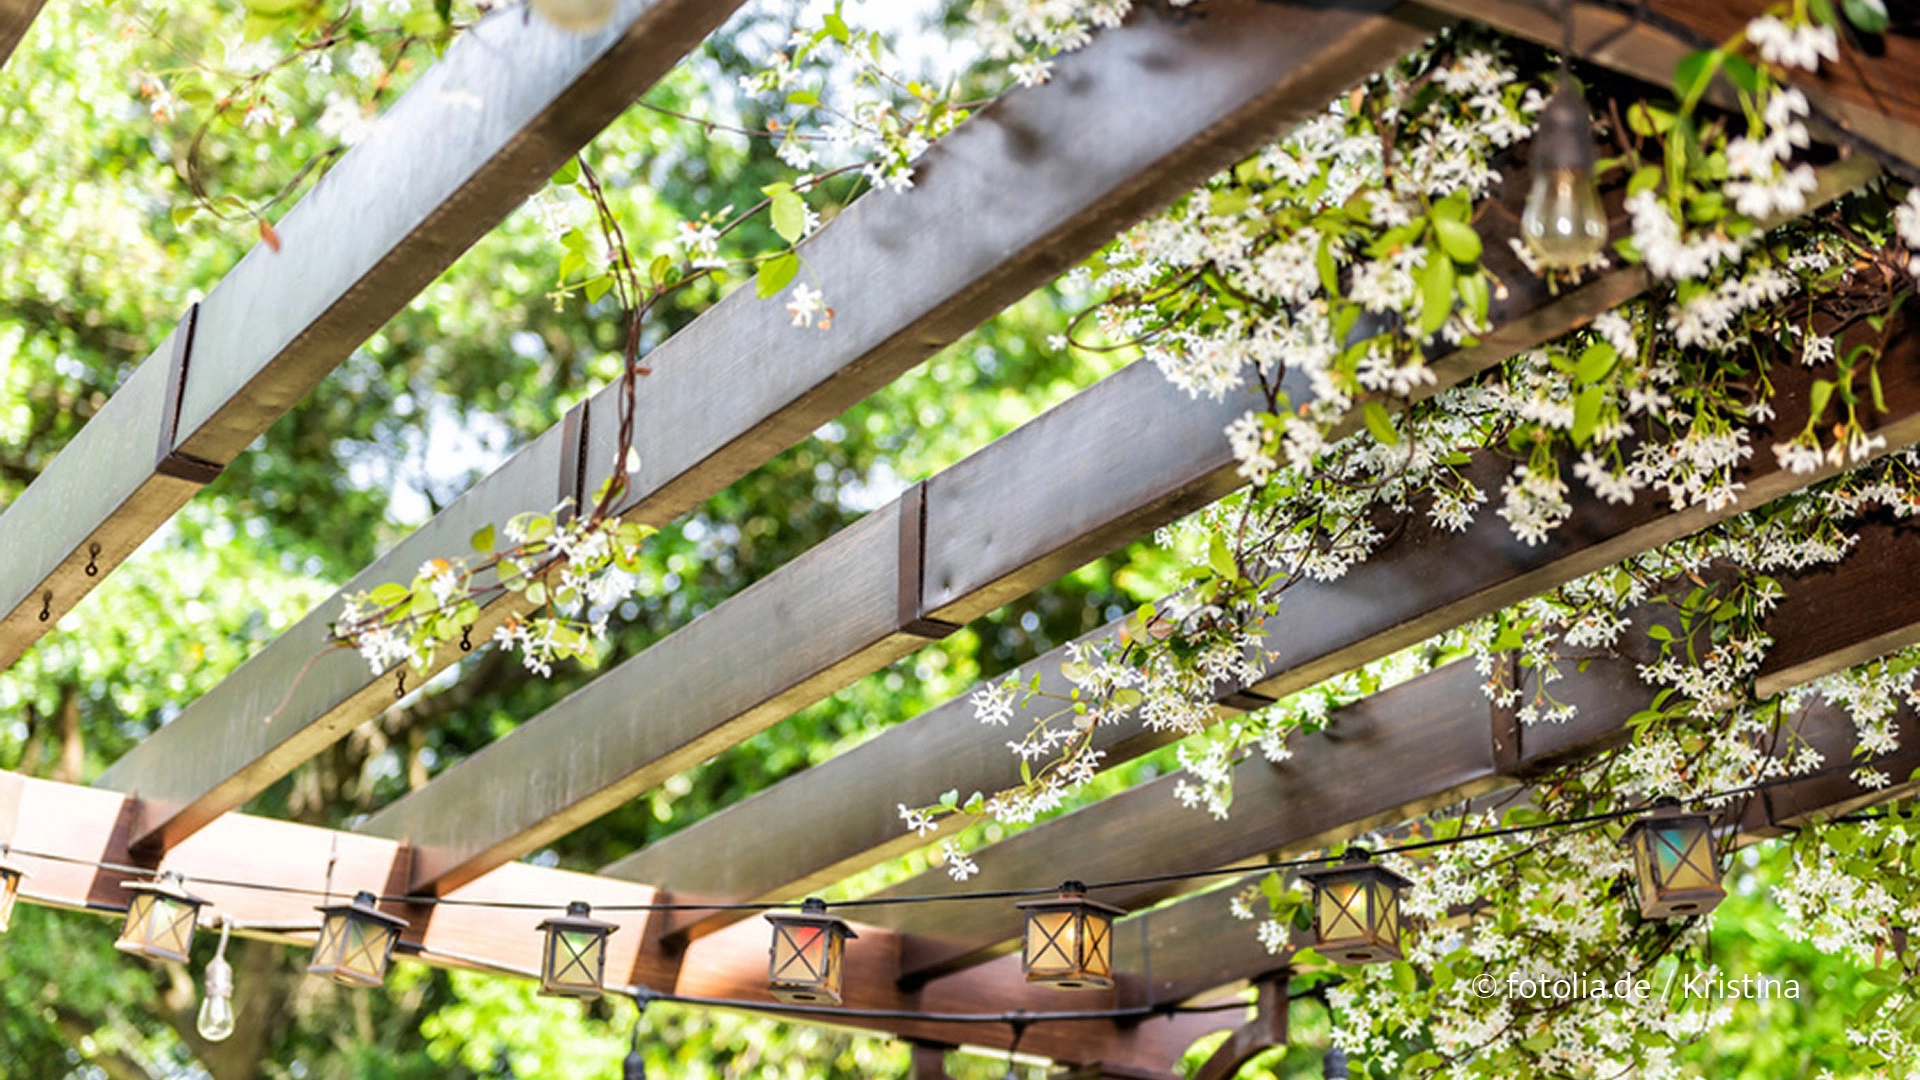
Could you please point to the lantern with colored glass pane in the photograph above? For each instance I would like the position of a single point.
(1069, 940)
(1676, 870)
(804, 966)
(575, 962)
(161, 918)
(356, 942)
(10, 876)
(1356, 910)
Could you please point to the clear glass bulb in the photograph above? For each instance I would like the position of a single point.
(1564, 221)
(216, 1003)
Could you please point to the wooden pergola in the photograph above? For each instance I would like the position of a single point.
(1011, 199)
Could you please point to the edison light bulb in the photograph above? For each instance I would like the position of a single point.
(216, 1004)
(578, 16)
(1564, 223)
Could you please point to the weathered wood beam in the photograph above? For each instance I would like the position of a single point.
(1429, 742)
(1875, 95)
(793, 837)
(1012, 198)
(481, 130)
(672, 707)
(15, 17)
(43, 818)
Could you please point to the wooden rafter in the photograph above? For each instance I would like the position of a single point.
(15, 17)
(458, 152)
(73, 822)
(1426, 582)
(1430, 742)
(1004, 204)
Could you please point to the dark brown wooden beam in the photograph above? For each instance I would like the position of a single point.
(433, 176)
(41, 818)
(15, 17)
(793, 838)
(1011, 199)
(629, 730)
(1426, 743)
(1874, 94)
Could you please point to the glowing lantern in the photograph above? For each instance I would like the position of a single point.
(1069, 940)
(575, 961)
(160, 919)
(1676, 870)
(1356, 910)
(804, 966)
(356, 942)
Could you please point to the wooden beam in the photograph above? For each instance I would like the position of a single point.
(792, 838)
(458, 152)
(15, 17)
(604, 746)
(1389, 757)
(1012, 198)
(228, 861)
(1266, 1031)
(1873, 95)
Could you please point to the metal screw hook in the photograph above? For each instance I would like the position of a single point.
(46, 605)
(93, 554)
(400, 687)
(466, 638)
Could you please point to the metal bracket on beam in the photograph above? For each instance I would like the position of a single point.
(573, 457)
(913, 568)
(169, 461)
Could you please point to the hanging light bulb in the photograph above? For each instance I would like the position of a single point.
(1564, 222)
(216, 990)
(635, 1066)
(1334, 1065)
(576, 16)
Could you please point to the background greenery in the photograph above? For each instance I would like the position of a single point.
(94, 269)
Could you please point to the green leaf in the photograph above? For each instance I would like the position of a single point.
(1329, 271)
(1596, 362)
(1455, 207)
(1823, 13)
(1741, 72)
(1380, 424)
(803, 97)
(388, 594)
(1645, 178)
(1869, 16)
(837, 26)
(1436, 293)
(569, 173)
(662, 266)
(1822, 391)
(1220, 557)
(598, 287)
(1586, 413)
(775, 274)
(1695, 70)
(1458, 240)
(789, 214)
(184, 213)
(483, 539)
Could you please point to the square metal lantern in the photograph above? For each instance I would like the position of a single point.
(10, 877)
(1069, 940)
(574, 963)
(1676, 871)
(356, 942)
(805, 963)
(161, 917)
(1356, 910)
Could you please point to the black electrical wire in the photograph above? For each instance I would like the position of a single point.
(965, 896)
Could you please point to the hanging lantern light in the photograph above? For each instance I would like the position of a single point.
(805, 961)
(575, 961)
(1564, 222)
(1069, 940)
(10, 878)
(1675, 867)
(160, 919)
(1356, 910)
(356, 942)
